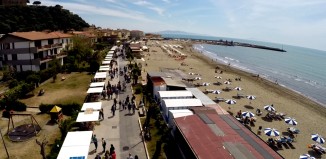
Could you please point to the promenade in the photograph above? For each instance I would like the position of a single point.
(121, 130)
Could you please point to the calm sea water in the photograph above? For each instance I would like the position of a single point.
(300, 69)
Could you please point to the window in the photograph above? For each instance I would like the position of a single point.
(35, 55)
(6, 57)
(14, 56)
(6, 46)
(38, 43)
(50, 41)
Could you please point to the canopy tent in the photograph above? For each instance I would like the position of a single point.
(174, 94)
(114, 48)
(97, 84)
(174, 104)
(92, 105)
(111, 52)
(105, 69)
(95, 90)
(109, 55)
(108, 58)
(100, 75)
(55, 109)
(105, 66)
(106, 62)
(88, 116)
(76, 144)
(177, 114)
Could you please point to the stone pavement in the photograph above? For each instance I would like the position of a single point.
(121, 130)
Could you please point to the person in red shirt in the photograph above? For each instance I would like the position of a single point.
(113, 155)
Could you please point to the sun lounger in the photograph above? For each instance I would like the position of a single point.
(240, 95)
(318, 148)
(293, 130)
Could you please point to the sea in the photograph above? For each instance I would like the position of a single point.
(302, 70)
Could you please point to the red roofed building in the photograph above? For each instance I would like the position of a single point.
(207, 135)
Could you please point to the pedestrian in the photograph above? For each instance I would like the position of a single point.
(130, 156)
(101, 114)
(136, 157)
(120, 106)
(113, 110)
(129, 107)
(133, 106)
(107, 155)
(115, 102)
(98, 156)
(113, 155)
(127, 99)
(133, 98)
(95, 141)
(112, 148)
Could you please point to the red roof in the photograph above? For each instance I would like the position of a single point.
(207, 145)
(157, 81)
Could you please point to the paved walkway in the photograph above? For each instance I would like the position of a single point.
(121, 130)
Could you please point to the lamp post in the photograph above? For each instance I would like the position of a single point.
(4, 144)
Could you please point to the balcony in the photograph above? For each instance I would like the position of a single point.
(48, 47)
(61, 55)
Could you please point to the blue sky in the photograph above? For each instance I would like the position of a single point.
(294, 22)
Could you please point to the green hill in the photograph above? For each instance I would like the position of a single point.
(38, 18)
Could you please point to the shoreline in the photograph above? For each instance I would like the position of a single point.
(280, 89)
(323, 105)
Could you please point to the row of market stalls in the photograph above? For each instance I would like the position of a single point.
(76, 144)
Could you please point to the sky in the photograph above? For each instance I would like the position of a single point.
(294, 22)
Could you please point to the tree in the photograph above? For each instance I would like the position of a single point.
(42, 145)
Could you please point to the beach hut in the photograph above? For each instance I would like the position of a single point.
(56, 114)
(177, 114)
(174, 95)
(176, 104)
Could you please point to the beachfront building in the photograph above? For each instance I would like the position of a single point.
(89, 35)
(207, 134)
(176, 104)
(33, 50)
(136, 34)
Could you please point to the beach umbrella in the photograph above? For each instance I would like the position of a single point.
(248, 114)
(291, 121)
(271, 132)
(216, 91)
(306, 156)
(191, 73)
(197, 78)
(206, 84)
(227, 82)
(238, 88)
(318, 138)
(269, 108)
(218, 77)
(230, 101)
(251, 97)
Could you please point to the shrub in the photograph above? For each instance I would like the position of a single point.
(15, 105)
(13, 83)
(138, 89)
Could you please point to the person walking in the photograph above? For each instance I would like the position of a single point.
(113, 110)
(120, 106)
(129, 107)
(133, 106)
(103, 144)
(101, 114)
(112, 148)
(94, 139)
(130, 156)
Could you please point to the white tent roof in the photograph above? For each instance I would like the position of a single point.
(100, 75)
(106, 62)
(182, 102)
(111, 52)
(104, 66)
(95, 90)
(181, 113)
(200, 95)
(165, 94)
(92, 105)
(76, 144)
(109, 55)
(113, 48)
(85, 116)
(97, 84)
(104, 69)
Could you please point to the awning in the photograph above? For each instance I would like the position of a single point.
(95, 90)
(105, 69)
(111, 52)
(100, 75)
(76, 144)
(113, 48)
(104, 66)
(106, 62)
(92, 105)
(88, 116)
(97, 84)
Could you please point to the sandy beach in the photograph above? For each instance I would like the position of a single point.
(310, 115)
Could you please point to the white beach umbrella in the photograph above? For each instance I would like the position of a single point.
(271, 132)
(269, 108)
(230, 101)
(218, 77)
(206, 84)
(238, 88)
(306, 156)
(227, 82)
(197, 78)
(191, 73)
(290, 121)
(251, 97)
(248, 114)
(318, 138)
(216, 91)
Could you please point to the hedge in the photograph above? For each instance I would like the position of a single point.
(67, 109)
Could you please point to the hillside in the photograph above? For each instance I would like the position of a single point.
(38, 18)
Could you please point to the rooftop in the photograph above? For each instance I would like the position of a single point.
(34, 35)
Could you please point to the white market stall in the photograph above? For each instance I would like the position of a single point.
(111, 52)
(106, 62)
(100, 75)
(97, 84)
(88, 116)
(76, 144)
(174, 104)
(174, 94)
(94, 90)
(105, 66)
(114, 48)
(92, 105)
(104, 69)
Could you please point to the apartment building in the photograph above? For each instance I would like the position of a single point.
(33, 50)
(136, 34)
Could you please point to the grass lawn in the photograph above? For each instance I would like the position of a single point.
(72, 89)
